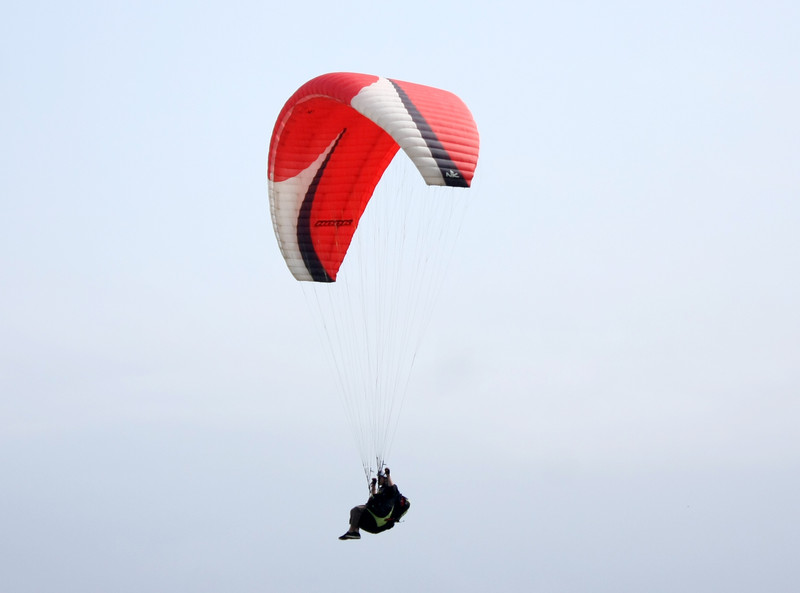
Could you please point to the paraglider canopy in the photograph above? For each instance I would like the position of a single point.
(330, 146)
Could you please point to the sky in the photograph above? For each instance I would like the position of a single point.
(606, 398)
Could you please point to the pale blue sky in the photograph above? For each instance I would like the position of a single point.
(607, 399)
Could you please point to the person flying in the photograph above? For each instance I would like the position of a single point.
(383, 509)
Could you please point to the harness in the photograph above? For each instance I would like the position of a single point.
(381, 521)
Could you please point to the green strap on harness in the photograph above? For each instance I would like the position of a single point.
(381, 521)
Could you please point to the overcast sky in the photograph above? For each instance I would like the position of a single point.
(607, 399)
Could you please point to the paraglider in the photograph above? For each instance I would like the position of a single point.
(384, 508)
(331, 145)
